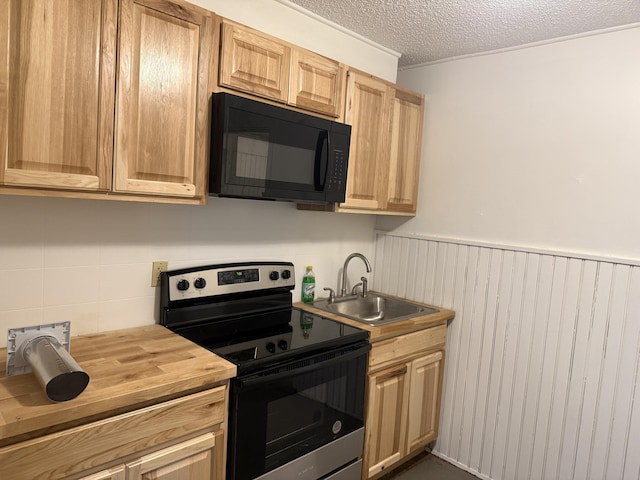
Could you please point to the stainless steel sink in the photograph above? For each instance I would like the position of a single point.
(374, 309)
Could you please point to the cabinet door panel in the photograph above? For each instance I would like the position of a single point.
(115, 473)
(367, 112)
(254, 63)
(192, 459)
(316, 83)
(162, 98)
(405, 151)
(385, 441)
(424, 400)
(57, 86)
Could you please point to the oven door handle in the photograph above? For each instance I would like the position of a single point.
(256, 380)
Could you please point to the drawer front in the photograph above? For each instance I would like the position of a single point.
(402, 347)
(81, 448)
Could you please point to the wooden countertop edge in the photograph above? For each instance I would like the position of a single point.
(389, 330)
(29, 413)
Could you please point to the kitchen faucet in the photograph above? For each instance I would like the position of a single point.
(343, 290)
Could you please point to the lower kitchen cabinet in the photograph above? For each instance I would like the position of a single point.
(192, 459)
(424, 400)
(386, 418)
(176, 439)
(115, 473)
(405, 386)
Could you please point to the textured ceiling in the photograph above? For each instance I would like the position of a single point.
(428, 30)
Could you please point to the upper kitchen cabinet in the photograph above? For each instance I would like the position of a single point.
(57, 86)
(386, 142)
(253, 62)
(367, 112)
(162, 105)
(316, 82)
(405, 148)
(256, 63)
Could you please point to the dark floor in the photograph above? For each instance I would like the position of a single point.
(428, 466)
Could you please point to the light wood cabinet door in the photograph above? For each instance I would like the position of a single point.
(57, 87)
(192, 459)
(115, 473)
(255, 63)
(367, 112)
(162, 98)
(405, 147)
(386, 419)
(424, 400)
(316, 82)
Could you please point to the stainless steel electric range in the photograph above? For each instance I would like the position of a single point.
(297, 404)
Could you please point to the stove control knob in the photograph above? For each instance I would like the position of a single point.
(286, 274)
(274, 275)
(200, 282)
(271, 347)
(183, 285)
(283, 344)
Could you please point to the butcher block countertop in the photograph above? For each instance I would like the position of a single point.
(381, 332)
(128, 369)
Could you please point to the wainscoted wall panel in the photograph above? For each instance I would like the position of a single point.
(542, 365)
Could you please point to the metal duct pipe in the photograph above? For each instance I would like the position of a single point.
(60, 376)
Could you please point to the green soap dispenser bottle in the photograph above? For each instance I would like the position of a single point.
(308, 285)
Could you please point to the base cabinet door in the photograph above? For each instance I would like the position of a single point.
(386, 419)
(403, 403)
(115, 473)
(424, 400)
(57, 87)
(193, 460)
(161, 105)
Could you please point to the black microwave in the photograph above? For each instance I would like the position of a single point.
(270, 153)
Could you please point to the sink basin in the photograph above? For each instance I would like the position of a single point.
(374, 309)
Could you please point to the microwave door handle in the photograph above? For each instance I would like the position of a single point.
(321, 164)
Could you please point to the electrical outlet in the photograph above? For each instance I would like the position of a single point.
(158, 268)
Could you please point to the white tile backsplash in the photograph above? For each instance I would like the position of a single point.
(128, 313)
(89, 261)
(21, 289)
(124, 281)
(73, 254)
(72, 285)
(83, 316)
(27, 317)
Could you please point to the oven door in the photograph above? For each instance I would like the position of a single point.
(283, 413)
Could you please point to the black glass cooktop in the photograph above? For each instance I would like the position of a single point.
(254, 340)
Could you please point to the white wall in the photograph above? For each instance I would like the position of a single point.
(89, 261)
(542, 371)
(534, 147)
(528, 228)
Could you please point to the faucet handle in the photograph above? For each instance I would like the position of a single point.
(354, 290)
(364, 286)
(332, 294)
